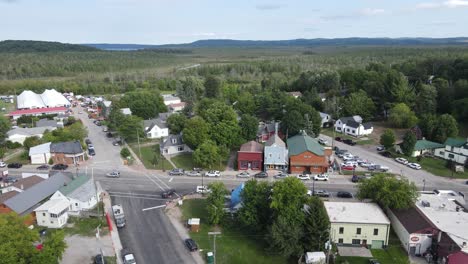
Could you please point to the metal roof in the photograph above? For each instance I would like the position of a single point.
(301, 143)
(426, 144)
(355, 212)
(81, 188)
(69, 147)
(40, 149)
(55, 206)
(30, 132)
(454, 142)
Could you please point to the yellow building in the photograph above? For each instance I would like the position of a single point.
(354, 223)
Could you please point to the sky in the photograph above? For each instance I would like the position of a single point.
(183, 21)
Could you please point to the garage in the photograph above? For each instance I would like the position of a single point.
(377, 244)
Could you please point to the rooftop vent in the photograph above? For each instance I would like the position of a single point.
(425, 203)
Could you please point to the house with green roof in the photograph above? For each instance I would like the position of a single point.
(424, 146)
(80, 193)
(454, 149)
(307, 155)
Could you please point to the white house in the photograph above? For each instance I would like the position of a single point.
(455, 150)
(126, 111)
(325, 118)
(174, 145)
(20, 134)
(80, 193)
(52, 214)
(353, 126)
(177, 107)
(156, 128)
(170, 99)
(40, 154)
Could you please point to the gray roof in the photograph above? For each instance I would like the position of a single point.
(323, 115)
(46, 123)
(356, 118)
(275, 140)
(81, 188)
(172, 140)
(34, 131)
(70, 147)
(367, 125)
(267, 127)
(154, 122)
(26, 201)
(353, 124)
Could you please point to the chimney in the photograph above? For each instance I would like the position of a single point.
(22, 187)
(276, 128)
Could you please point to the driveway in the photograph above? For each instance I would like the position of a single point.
(83, 249)
(354, 252)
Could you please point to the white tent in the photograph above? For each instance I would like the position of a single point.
(52, 98)
(29, 100)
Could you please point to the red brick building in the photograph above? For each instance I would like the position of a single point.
(250, 156)
(307, 155)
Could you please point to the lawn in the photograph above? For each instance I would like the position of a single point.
(329, 132)
(148, 154)
(21, 157)
(232, 246)
(183, 161)
(437, 167)
(86, 226)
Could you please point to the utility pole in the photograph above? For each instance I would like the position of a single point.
(139, 149)
(424, 185)
(214, 234)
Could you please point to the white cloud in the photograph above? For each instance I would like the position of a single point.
(371, 11)
(268, 7)
(456, 3)
(428, 5)
(448, 3)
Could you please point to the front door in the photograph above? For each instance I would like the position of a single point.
(412, 251)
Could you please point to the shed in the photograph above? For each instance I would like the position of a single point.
(315, 258)
(194, 224)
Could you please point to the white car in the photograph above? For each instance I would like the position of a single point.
(321, 177)
(2, 164)
(203, 189)
(243, 174)
(380, 148)
(366, 164)
(348, 157)
(193, 173)
(113, 174)
(303, 177)
(402, 160)
(349, 163)
(212, 173)
(322, 141)
(414, 166)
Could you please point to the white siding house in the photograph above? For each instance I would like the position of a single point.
(52, 214)
(170, 99)
(325, 118)
(80, 193)
(40, 154)
(455, 150)
(174, 145)
(155, 128)
(20, 134)
(353, 126)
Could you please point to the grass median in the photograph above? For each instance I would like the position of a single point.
(151, 157)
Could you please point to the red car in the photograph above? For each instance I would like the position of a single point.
(347, 167)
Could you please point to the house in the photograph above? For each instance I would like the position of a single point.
(422, 147)
(21, 134)
(26, 202)
(275, 154)
(126, 111)
(326, 119)
(352, 125)
(40, 154)
(155, 128)
(38, 112)
(356, 223)
(295, 94)
(307, 155)
(46, 123)
(266, 130)
(80, 193)
(22, 184)
(250, 156)
(173, 145)
(52, 214)
(177, 107)
(455, 150)
(70, 152)
(170, 99)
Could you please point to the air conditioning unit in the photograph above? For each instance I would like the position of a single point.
(425, 203)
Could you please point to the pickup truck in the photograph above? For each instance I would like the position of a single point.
(378, 168)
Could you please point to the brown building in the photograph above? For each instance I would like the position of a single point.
(307, 155)
(250, 156)
(70, 152)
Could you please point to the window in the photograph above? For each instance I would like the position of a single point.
(451, 156)
(43, 214)
(181, 148)
(376, 231)
(341, 230)
(76, 204)
(358, 231)
(340, 241)
(354, 131)
(356, 241)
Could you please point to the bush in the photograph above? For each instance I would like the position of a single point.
(12, 145)
(125, 153)
(51, 161)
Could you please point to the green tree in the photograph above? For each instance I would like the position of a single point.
(116, 117)
(5, 126)
(444, 95)
(401, 116)
(427, 124)
(427, 100)
(206, 155)
(359, 103)
(292, 123)
(215, 202)
(143, 103)
(53, 248)
(285, 237)
(255, 213)
(176, 123)
(388, 191)
(249, 126)
(446, 126)
(409, 141)
(77, 131)
(131, 128)
(460, 110)
(125, 153)
(316, 225)
(31, 142)
(387, 139)
(212, 87)
(190, 89)
(196, 132)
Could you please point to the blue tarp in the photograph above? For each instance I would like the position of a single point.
(236, 195)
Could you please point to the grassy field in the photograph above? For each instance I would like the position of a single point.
(19, 158)
(148, 154)
(86, 226)
(359, 141)
(437, 167)
(184, 161)
(232, 246)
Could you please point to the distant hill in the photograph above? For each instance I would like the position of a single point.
(23, 46)
(293, 43)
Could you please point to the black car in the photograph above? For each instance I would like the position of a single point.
(88, 141)
(338, 138)
(261, 174)
(343, 194)
(349, 142)
(9, 179)
(191, 245)
(373, 261)
(168, 193)
(60, 167)
(386, 154)
(99, 259)
(15, 165)
(109, 134)
(43, 167)
(91, 152)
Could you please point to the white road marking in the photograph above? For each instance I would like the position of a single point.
(170, 180)
(104, 161)
(155, 207)
(136, 197)
(157, 184)
(134, 194)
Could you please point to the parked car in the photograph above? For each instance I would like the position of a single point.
(176, 172)
(349, 142)
(401, 160)
(261, 174)
(105, 129)
(344, 194)
(113, 174)
(88, 141)
(117, 142)
(373, 261)
(168, 193)
(60, 167)
(349, 157)
(415, 166)
(212, 173)
(349, 163)
(99, 259)
(366, 164)
(109, 134)
(91, 152)
(90, 146)
(280, 175)
(357, 178)
(243, 174)
(386, 154)
(338, 138)
(128, 258)
(9, 179)
(322, 141)
(303, 177)
(43, 167)
(202, 189)
(15, 165)
(378, 168)
(193, 173)
(380, 148)
(321, 177)
(321, 193)
(2, 164)
(347, 167)
(191, 245)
